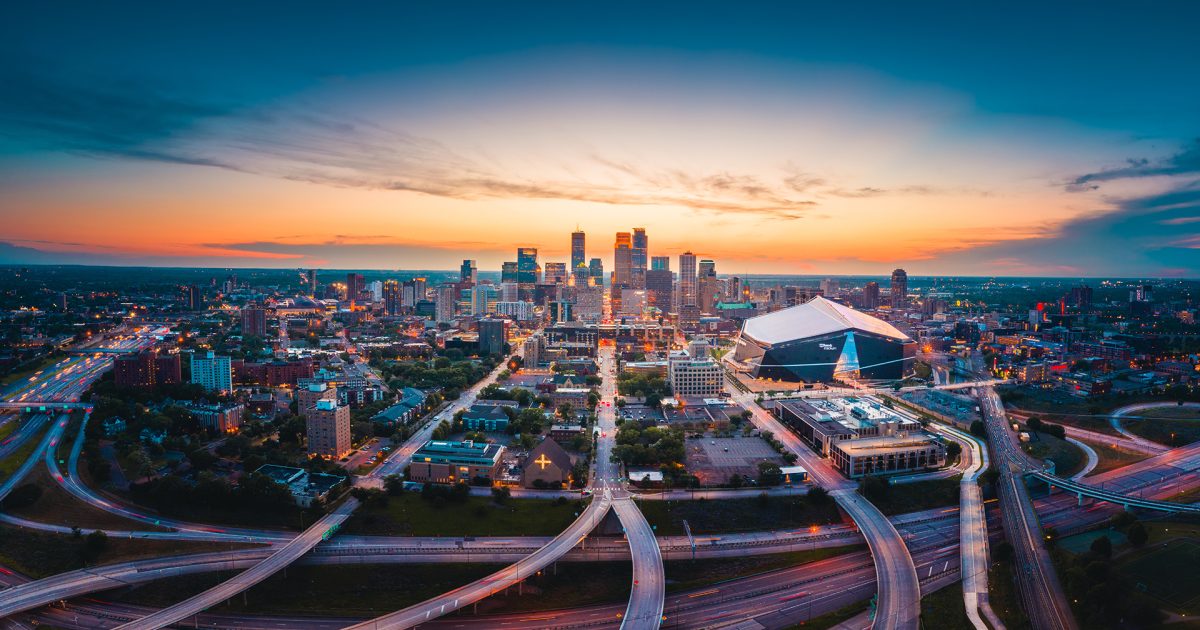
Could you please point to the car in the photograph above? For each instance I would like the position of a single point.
(726, 449)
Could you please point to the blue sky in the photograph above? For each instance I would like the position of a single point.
(1014, 138)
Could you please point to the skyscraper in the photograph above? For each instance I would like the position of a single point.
(312, 282)
(556, 272)
(687, 279)
(354, 286)
(641, 248)
(899, 288)
(194, 299)
(508, 272)
(481, 296)
(707, 290)
(447, 303)
(468, 273)
(254, 321)
(870, 297)
(215, 373)
(661, 263)
(392, 302)
(577, 250)
(623, 260)
(660, 289)
(596, 269)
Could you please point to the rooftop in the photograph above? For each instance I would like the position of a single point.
(816, 317)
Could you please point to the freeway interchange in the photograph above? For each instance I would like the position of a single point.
(907, 557)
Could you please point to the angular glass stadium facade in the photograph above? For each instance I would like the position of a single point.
(819, 340)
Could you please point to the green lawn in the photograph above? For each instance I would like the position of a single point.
(706, 516)
(42, 554)
(1111, 457)
(943, 609)
(1004, 598)
(1167, 425)
(28, 371)
(410, 515)
(922, 495)
(56, 506)
(10, 464)
(1167, 572)
(1068, 459)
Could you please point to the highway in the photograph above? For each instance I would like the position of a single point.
(280, 558)
(973, 534)
(502, 579)
(1115, 417)
(49, 441)
(1038, 583)
(898, 602)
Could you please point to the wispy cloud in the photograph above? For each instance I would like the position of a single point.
(1184, 162)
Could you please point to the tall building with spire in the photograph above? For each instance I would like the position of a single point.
(578, 250)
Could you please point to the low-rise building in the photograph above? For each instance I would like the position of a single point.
(548, 466)
(226, 418)
(451, 462)
(485, 418)
(113, 426)
(888, 454)
(306, 487)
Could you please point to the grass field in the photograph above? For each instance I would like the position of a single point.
(410, 515)
(10, 464)
(1003, 596)
(1168, 573)
(943, 609)
(1171, 426)
(56, 506)
(922, 495)
(706, 516)
(1068, 459)
(1111, 457)
(42, 554)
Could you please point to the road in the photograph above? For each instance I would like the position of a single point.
(508, 576)
(279, 559)
(973, 533)
(1038, 583)
(898, 602)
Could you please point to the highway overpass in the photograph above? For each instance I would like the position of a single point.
(1082, 490)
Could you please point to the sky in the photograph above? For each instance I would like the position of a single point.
(1057, 139)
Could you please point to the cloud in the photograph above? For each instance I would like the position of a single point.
(1153, 235)
(1185, 162)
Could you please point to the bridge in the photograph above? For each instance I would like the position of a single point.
(1083, 490)
(36, 406)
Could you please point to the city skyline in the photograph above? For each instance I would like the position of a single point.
(828, 147)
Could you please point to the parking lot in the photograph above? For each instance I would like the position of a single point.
(715, 460)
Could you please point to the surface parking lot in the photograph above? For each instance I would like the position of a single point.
(708, 459)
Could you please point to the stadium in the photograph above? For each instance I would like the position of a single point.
(819, 341)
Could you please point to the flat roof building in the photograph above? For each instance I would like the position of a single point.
(451, 462)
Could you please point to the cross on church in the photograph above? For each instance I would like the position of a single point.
(542, 461)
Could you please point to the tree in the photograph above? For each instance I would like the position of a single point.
(1137, 534)
(953, 450)
(769, 474)
(1102, 547)
(818, 496)
(979, 429)
(501, 494)
(874, 488)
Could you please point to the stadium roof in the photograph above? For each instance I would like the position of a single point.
(814, 318)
